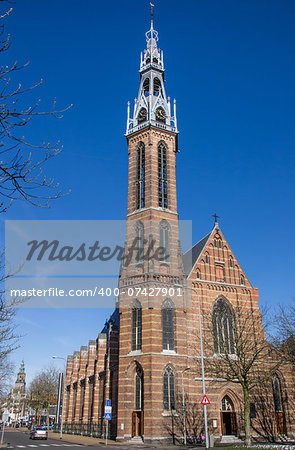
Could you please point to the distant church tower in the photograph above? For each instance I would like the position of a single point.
(151, 327)
(20, 384)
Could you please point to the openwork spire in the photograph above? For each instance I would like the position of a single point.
(151, 107)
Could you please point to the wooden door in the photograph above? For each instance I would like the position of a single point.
(280, 423)
(134, 424)
(137, 423)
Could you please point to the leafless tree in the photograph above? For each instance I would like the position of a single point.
(43, 390)
(8, 333)
(195, 427)
(237, 349)
(283, 334)
(22, 161)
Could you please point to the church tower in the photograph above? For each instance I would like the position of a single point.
(151, 324)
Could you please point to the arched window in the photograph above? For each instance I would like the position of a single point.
(230, 262)
(242, 280)
(136, 326)
(278, 405)
(140, 181)
(276, 389)
(207, 258)
(223, 327)
(162, 173)
(168, 390)
(157, 86)
(227, 404)
(168, 324)
(146, 87)
(198, 275)
(139, 242)
(164, 240)
(138, 390)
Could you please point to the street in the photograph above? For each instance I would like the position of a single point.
(19, 439)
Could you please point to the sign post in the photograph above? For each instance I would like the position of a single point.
(5, 416)
(107, 417)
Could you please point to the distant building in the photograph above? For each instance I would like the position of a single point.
(17, 397)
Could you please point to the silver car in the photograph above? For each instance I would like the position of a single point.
(38, 433)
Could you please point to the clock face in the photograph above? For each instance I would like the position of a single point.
(142, 115)
(160, 114)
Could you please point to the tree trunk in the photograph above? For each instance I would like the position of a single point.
(247, 415)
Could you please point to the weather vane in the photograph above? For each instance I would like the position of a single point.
(152, 11)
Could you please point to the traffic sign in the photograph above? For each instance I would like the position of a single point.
(108, 409)
(109, 402)
(205, 400)
(5, 415)
(108, 416)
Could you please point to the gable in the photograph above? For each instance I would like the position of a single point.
(212, 259)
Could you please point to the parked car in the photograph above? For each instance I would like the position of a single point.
(38, 433)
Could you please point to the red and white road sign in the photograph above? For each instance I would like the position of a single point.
(205, 400)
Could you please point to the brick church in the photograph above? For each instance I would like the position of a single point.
(147, 358)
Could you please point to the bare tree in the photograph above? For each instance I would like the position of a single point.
(21, 161)
(43, 390)
(284, 338)
(236, 347)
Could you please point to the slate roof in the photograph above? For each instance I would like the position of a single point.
(191, 256)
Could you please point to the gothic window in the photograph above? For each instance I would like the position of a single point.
(276, 389)
(215, 243)
(223, 327)
(164, 240)
(157, 86)
(226, 404)
(168, 324)
(198, 275)
(146, 87)
(138, 390)
(242, 280)
(168, 390)
(136, 326)
(230, 262)
(207, 259)
(219, 244)
(140, 181)
(139, 242)
(162, 174)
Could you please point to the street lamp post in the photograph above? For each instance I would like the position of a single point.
(202, 361)
(184, 406)
(63, 400)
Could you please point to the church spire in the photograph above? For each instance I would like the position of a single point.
(152, 106)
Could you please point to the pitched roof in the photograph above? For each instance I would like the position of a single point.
(191, 256)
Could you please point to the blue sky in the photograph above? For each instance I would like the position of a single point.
(230, 65)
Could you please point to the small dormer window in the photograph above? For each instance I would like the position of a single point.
(148, 60)
(155, 60)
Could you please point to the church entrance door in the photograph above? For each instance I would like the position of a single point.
(228, 417)
(229, 423)
(137, 423)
